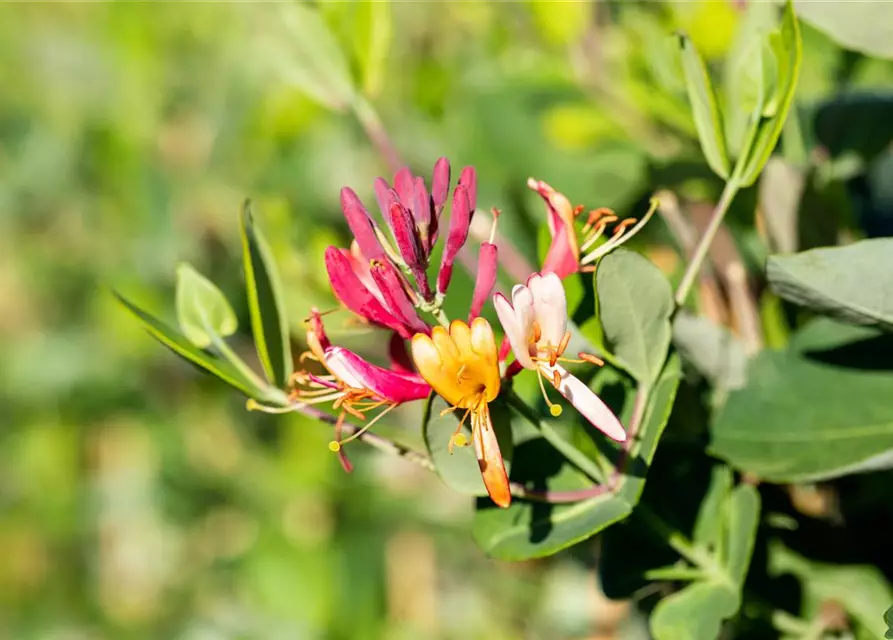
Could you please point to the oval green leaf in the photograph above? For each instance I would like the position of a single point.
(818, 410)
(265, 302)
(851, 283)
(861, 26)
(203, 312)
(635, 303)
(459, 470)
(530, 529)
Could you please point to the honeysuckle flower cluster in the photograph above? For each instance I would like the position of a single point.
(382, 278)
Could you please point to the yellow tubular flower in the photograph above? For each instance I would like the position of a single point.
(462, 366)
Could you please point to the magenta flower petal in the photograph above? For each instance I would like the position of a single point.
(361, 225)
(488, 262)
(469, 179)
(387, 385)
(561, 258)
(403, 185)
(388, 280)
(354, 295)
(460, 221)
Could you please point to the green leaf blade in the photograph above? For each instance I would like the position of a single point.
(202, 310)
(266, 303)
(851, 284)
(178, 343)
(705, 110)
(635, 303)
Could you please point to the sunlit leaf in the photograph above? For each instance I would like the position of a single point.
(265, 302)
(694, 613)
(779, 82)
(861, 26)
(202, 310)
(705, 110)
(815, 411)
(851, 283)
(178, 343)
(635, 303)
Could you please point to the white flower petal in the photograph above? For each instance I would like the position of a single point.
(514, 331)
(550, 308)
(587, 403)
(342, 369)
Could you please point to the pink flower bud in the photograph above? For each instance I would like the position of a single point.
(440, 185)
(397, 300)
(353, 294)
(421, 211)
(460, 221)
(469, 179)
(361, 225)
(403, 185)
(486, 279)
(410, 244)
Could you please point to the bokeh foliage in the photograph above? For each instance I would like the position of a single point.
(140, 500)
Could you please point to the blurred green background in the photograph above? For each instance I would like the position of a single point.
(138, 499)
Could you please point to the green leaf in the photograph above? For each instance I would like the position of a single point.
(708, 525)
(861, 590)
(202, 310)
(705, 111)
(860, 26)
(712, 349)
(178, 343)
(265, 302)
(851, 283)
(779, 83)
(694, 613)
(459, 470)
(888, 618)
(373, 33)
(726, 527)
(635, 303)
(742, 518)
(818, 410)
(530, 529)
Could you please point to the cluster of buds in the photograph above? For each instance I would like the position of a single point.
(383, 279)
(570, 251)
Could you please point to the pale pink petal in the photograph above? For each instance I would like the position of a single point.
(550, 307)
(561, 258)
(587, 403)
(387, 385)
(515, 334)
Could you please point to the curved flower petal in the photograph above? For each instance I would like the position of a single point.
(514, 333)
(561, 258)
(490, 458)
(360, 374)
(429, 362)
(550, 306)
(587, 403)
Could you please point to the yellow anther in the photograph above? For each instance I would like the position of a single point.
(460, 440)
(334, 446)
(555, 410)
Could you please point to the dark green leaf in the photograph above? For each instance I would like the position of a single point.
(852, 283)
(178, 343)
(818, 410)
(634, 304)
(861, 26)
(459, 470)
(709, 524)
(202, 310)
(705, 111)
(265, 302)
(888, 618)
(530, 529)
(742, 518)
(694, 613)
